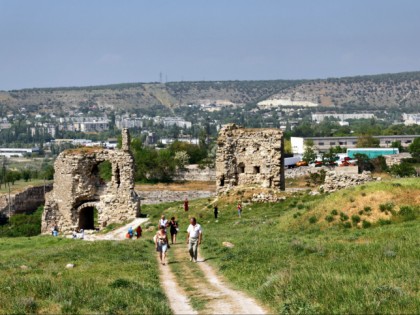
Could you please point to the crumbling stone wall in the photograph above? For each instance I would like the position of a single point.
(249, 157)
(26, 201)
(78, 189)
(335, 181)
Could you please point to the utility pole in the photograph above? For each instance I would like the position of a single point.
(10, 202)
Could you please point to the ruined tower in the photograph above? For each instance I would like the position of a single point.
(250, 157)
(80, 195)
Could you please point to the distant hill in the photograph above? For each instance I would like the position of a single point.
(362, 92)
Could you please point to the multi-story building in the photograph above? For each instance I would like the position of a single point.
(411, 119)
(342, 117)
(323, 144)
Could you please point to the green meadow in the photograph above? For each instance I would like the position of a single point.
(294, 264)
(108, 277)
(307, 254)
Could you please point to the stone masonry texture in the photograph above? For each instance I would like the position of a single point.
(78, 189)
(248, 157)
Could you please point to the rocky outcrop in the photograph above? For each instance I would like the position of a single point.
(78, 189)
(335, 181)
(266, 197)
(248, 157)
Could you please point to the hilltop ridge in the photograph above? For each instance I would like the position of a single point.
(364, 92)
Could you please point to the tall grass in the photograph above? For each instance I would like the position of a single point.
(108, 277)
(294, 266)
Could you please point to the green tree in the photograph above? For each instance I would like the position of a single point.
(403, 170)
(414, 148)
(367, 141)
(309, 154)
(363, 162)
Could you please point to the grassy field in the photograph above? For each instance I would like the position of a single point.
(287, 254)
(108, 277)
(297, 265)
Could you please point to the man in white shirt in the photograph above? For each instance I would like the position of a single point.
(194, 237)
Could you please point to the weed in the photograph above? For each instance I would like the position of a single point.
(388, 206)
(408, 213)
(366, 224)
(313, 219)
(329, 218)
(367, 209)
(355, 219)
(384, 222)
(346, 225)
(343, 216)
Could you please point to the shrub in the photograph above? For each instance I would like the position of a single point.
(343, 216)
(366, 224)
(367, 209)
(360, 212)
(334, 212)
(355, 218)
(384, 222)
(313, 219)
(408, 213)
(403, 170)
(389, 206)
(346, 225)
(329, 218)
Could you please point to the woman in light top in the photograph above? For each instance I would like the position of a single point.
(161, 244)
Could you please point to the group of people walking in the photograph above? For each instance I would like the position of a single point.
(194, 237)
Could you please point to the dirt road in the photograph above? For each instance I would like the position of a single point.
(192, 288)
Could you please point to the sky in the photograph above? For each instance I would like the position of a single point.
(58, 43)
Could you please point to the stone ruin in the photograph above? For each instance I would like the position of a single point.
(249, 157)
(79, 191)
(335, 181)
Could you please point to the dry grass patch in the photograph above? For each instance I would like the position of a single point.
(184, 186)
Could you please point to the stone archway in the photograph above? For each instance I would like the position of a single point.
(86, 215)
(79, 189)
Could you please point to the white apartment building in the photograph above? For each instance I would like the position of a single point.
(320, 117)
(411, 119)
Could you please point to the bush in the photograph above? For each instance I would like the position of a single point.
(384, 222)
(343, 216)
(355, 218)
(23, 225)
(329, 218)
(313, 219)
(346, 225)
(367, 209)
(366, 224)
(408, 213)
(389, 206)
(334, 212)
(403, 170)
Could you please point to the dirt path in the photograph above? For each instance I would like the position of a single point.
(117, 234)
(192, 288)
(208, 292)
